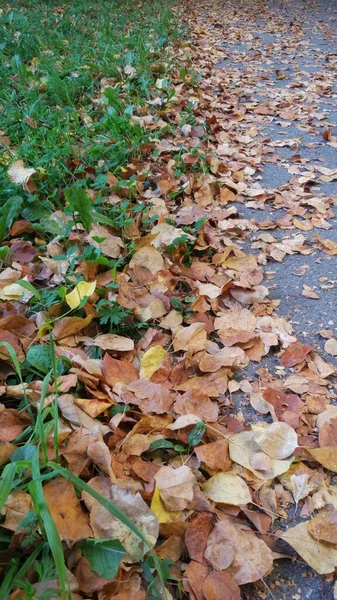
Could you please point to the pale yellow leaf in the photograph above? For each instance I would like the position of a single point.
(278, 440)
(227, 488)
(320, 556)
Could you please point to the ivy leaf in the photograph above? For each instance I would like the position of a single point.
(104, 556)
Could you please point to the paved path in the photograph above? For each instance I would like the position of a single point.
(274, 54)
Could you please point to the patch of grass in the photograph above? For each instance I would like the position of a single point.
(73, 77)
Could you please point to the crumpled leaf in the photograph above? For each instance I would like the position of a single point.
(278, 440)
(158, 508)
(106, 526)
(227, 488)
(193, 338)
(242, 449)
(20, 174)
(175, 487)
(318, 555)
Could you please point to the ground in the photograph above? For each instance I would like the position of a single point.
(299, 39)
(167, 300)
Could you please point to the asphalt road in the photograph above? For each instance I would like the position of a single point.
(282, 46)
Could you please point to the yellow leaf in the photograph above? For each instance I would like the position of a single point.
(151, 361)
(158, 508)
(81, 290)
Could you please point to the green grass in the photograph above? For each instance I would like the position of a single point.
(56, 119)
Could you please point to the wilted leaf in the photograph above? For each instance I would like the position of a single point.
(294, 354)
(148, 257)
(320, 556)
(175, 487)
(330, 346)
(106, 526)
(227, 488)
(71, 521)
(278, 440)
(158, 508)
(17, 505)
(20, 174)
(326, 456)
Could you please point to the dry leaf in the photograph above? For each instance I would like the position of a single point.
(227, 488)
(318, 555)
(278, 440)
(71, 522)
(151, 361)
(111, 341)
(106, 526)
(20, 174)
(148, 257)
(330, 346)
(175, 487)
(158, 508)
(326, 456)
(193, 338)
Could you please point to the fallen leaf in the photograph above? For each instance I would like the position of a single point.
(81, 290)
(111, 341)
(220, 585)
(227, 488)
(71, 522)
(323, 526)
(20, 174)
(193, 338)
(330, 346)
(158, 508)
(175, 487)
(318, 555)
(326, 456)
(278, 440)
(106, 526)
(151, 361)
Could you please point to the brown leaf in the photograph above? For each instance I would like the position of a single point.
(294, 354)
(197, 403)
(118, 371)
(326, 456)
(106, 526)
(69, 326)
(196, 536)
(220, 586)
(111, 341)
(71, 522)
(175, 486)
(151, 397)
(10, 425)
(194, 578)
(16, 507)
(320, 556)
(193, 338)
(214, 455)
(323, 527)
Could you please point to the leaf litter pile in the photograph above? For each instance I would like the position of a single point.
(146, 449)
